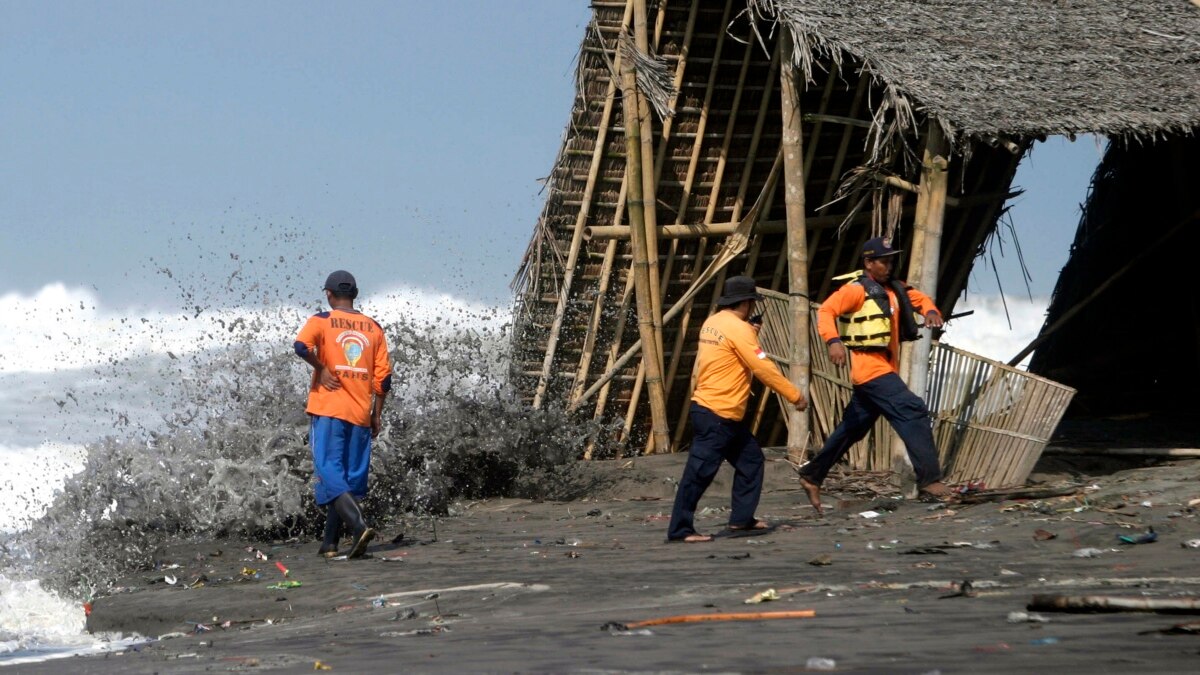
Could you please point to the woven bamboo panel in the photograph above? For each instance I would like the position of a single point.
(990, 421)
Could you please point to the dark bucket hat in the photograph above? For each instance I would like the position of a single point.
(738, 289)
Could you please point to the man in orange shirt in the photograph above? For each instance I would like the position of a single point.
(871, 314)
(351, 379)
(727, 357)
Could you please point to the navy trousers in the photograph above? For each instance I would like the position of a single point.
(904, 410)
(714, 440)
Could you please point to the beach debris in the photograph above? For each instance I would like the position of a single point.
(258, 555)
(1044, 535)
(762, 596)
(281, 568)
(981, 545)
(419, 631)
(1087, 552)
(572, 554)
(719, 616)
(640, 631)
(823, 560)
(250, 572)
(964, 590)
(869, 514)
(1191, 543)
(1189, 628)
(1027, 617)
(284, 584)
(1149, 537)
(925, 565)
(740, 556)
(170, 579)
(820, 663)
(321, 665)
(1044, 641)
(405, 614)
(924, 550)
(1107, 603)
(1194, 502)
(594, 513)
(379, 602)
(992, 648)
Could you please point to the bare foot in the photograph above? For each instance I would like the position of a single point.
(814, 494)
(937, 490)
(756, 525)
(695, 538)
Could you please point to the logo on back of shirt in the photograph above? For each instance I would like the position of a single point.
(353, 344)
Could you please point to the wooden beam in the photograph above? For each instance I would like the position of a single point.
(797, 244)
(637, 223)
(649, 182)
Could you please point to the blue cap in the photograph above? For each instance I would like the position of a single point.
(878, 247)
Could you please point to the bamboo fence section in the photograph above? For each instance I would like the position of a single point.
(991, 421)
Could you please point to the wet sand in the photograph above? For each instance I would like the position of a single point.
(527, 587)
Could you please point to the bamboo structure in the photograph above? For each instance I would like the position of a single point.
(875, 83)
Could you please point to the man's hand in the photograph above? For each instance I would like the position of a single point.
(376, 424)
(327, 379)
(837, 353)
(802, 404)
(933, 319)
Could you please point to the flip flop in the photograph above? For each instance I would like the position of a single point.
(757, 525)
(693, 538)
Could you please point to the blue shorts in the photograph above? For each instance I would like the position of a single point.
(341, 457)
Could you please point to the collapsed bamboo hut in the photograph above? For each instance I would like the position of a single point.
(711, 138)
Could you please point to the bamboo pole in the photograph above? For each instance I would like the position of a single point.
(923, 273)
(610, 253)
(642, 289)
(797, 245)
(649, 183)
(691, 173)
(560, 311)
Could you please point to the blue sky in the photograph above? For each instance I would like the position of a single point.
(403, 140)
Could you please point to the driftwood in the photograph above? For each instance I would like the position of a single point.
(1124, 452)
(1018, 493)
(1105, 603)
(723, 616)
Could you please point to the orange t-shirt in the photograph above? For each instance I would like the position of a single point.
(351, 345)
(728, 354)
(867, 365)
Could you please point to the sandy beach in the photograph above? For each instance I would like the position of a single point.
(519, 586)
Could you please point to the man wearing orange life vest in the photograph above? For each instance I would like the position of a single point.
(871, 315)
(728, 355)
(351, 378)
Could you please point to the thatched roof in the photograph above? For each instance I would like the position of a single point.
(1020, 67)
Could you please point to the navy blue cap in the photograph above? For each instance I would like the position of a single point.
(341, 281)
(878, 247)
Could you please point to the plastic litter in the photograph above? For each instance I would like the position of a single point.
(1044, 641)
(1086, 552)
(869, 514)
(762, 596)
(822, 560)
(321, 665)
(639, 631)
(1027, 617)
(284, 584)
(820, 663)
(1044, 535)
(379, 602)
(1191, 543)
(170, 579)
(1149, 537)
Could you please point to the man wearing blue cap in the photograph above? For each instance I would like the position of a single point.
(865, 321)
(351, 378)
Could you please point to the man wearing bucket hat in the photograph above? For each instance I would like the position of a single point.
(351, 378)
(728, 355)
(866, 320)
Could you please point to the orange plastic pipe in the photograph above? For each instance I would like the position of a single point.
(727, 616)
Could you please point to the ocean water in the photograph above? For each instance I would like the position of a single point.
(122, 427)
